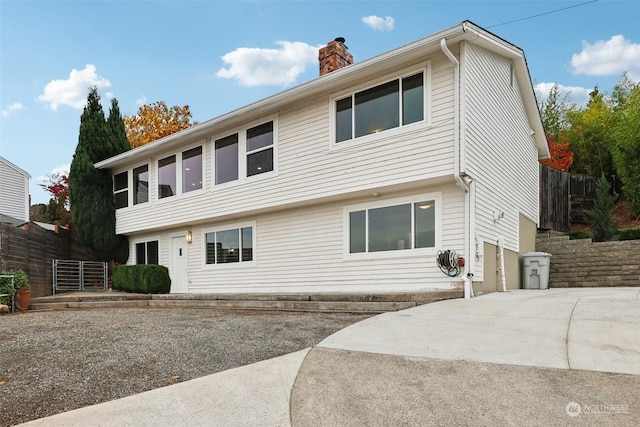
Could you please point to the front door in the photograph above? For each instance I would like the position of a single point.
(178, 270)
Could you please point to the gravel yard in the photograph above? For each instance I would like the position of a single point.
(56, 361)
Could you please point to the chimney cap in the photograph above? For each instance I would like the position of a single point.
(340, 40)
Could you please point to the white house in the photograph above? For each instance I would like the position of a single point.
(352, 182)
(14, 191)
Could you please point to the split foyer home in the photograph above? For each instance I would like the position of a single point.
(351, 182)
(14, 191)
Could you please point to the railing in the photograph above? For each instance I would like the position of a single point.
(69, 275)
(12, 295)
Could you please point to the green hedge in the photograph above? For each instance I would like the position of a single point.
(629, 234)
(143, 279)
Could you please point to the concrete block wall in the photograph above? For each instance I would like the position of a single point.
(583, 263)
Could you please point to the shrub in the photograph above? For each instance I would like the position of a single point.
(20, 281)
(144, 279)
(629, 234)
(579, 234)
(604, 228)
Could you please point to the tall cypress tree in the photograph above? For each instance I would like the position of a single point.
(91, 189)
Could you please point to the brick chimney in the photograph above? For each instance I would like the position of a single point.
(334, 56)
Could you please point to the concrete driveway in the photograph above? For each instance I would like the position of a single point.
(527, 357)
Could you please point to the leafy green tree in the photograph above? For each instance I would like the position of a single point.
(589, 137)
(626, 136)
(91, 189)
(604, 227)
(553, 113)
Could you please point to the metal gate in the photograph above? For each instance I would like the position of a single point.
(69, 275)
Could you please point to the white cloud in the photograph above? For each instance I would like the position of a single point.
(610, 57)
(16, 106)
(259, 67)
(576, 94)
(141, 101)
(378, 23)
(73, 91)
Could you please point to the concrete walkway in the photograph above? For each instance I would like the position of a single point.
(527, 357)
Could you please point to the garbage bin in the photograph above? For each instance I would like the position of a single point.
(536, 270)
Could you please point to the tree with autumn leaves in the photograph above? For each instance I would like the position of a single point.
(156, 121)
(602, 138)
(58, 210)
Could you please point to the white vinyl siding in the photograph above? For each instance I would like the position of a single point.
(308, 169)
(14, 191)
(302, 249)
(500, 152)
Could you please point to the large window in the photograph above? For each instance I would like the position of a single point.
(229, 245)
(394, 227)
(141, 184)
(390, 105)
(226, 159)
(167, 177)
(121, 190)
(147, 252)
(260, 149)
(192, 170)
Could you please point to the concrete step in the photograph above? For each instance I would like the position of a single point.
(323, 306)
(327, 302)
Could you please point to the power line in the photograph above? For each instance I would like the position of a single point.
(542, 14)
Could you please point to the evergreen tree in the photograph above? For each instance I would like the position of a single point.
(604, 228)
(91, 189)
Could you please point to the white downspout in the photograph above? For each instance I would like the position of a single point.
(501, 256)
(467, 276)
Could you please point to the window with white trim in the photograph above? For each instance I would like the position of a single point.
(229, 245)
(192, 169)
(260, 149)
(147, 252)
(167, 185)
(393, 104)
(248, 152)
(121, 189)
(141, 184)
(393, 226)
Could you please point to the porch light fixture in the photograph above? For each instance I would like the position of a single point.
(189, 237)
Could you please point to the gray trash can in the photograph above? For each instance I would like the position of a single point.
(536, 270)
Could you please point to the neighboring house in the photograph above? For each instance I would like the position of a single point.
(14, 191)
(351, 182)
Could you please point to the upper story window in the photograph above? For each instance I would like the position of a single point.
(121, 190)
(393, 225)
(390, 105)
(246, 153)
(260, 149)
(167, 177)
(226, 159)
(192, 169)
(141, 184)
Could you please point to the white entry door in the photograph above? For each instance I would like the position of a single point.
(178, 270)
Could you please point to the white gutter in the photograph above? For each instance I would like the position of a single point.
(467, 275)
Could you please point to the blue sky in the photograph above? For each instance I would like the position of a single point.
(216, 56)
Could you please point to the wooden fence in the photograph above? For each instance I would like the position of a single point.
(564, 198)
(32, 249)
